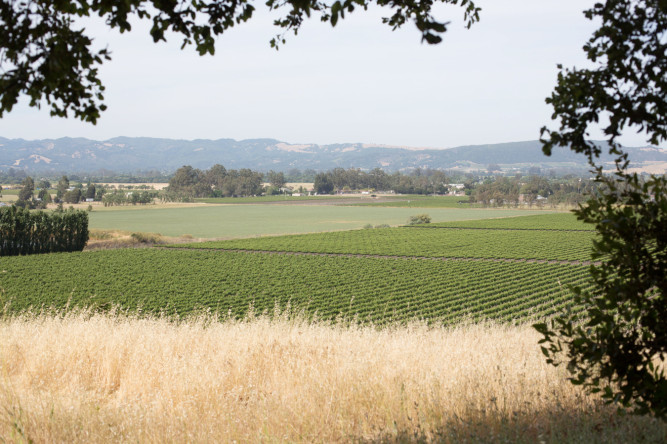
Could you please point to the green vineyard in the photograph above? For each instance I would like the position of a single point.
(421, 242)
(478, 271)
(369, 289)
(557, 222)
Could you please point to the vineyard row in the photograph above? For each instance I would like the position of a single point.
(477, 243)
(369, 289)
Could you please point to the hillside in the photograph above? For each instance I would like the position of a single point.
(131, 154)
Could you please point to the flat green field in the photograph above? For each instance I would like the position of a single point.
(272, 199)
(421, 201)
(9, 195)
(370, 289)
(235, 221)
(400, 200)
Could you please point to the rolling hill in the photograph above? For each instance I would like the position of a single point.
(131, 154)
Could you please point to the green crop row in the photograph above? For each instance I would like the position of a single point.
(552, 221)
(378, 290)
(477, 243)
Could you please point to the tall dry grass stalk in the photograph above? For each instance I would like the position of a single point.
(113, 378)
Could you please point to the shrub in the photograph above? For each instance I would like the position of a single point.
(146, 238)
(419, 219)
(100, 235)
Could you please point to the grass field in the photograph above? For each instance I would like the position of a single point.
(230, 221)
(106, 378)
(275, 198)
(421, 201)
(384, 200)
(9, 195)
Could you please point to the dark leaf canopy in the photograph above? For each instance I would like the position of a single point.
(617, 344)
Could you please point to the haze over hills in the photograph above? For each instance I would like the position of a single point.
(127, 154)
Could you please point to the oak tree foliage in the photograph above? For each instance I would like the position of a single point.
(276, 179)
(323, 184)
(27, 192)
(617, 345)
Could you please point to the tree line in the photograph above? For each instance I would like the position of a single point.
(416, 182)
(64, 193)
(27, 198)
(532, 190)
(121, 197)
(24, 232)
(189, 183)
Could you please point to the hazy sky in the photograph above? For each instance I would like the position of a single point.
(358, 82)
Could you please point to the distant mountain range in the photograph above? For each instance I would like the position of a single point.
(129, 154)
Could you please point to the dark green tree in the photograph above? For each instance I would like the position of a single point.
(248, 183)
(47, 55)
(215, 177)
(99, 193)
(90, 191)
(73, 196)
(62, 187)
(323, 184)
(27, 192)
(277, 180)
(45, 196)
(379, 179)
(189, 182)
(616, 345)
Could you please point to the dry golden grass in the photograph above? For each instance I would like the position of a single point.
(116, 378)
(110, 239)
